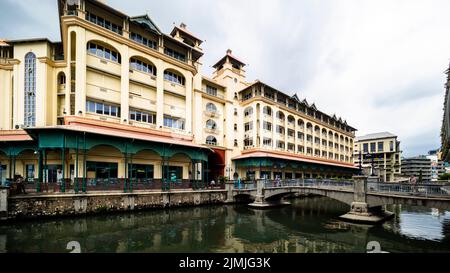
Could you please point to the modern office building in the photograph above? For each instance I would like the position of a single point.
(117, 99)
(445, 128)
(437, 165)
(417, 166)
(382, 150)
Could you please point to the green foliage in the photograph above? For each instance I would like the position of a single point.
(445, 176)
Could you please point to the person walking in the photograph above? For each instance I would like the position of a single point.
(20, 184)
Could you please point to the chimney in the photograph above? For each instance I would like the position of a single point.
(183, 26)
(229, 51)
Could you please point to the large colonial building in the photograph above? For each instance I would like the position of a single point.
(117, 99)
(381, 152)
(445, 128)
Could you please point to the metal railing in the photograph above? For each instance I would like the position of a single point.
(425, 190)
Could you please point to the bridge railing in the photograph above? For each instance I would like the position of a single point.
(436, 190)
(316, 183)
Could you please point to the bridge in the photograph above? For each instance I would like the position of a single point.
(366, 199)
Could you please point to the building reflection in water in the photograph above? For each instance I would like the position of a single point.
(309, 225)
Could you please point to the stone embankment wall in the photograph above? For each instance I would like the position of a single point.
(38, 206)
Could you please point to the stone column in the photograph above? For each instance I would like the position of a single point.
(124, 85)
(229, 186)
(359, 208)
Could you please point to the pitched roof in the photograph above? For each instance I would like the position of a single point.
(146, 22)
(375, 136)
(231, 57)
(185, 31)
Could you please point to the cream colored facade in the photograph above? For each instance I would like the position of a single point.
(386, 151)
(112, 69)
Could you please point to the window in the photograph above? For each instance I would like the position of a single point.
(248, 142)
(280, 144)
(173, 77)
(280, 116)
(174, 173)
(142, 66)
(391, 146)
(308, 150)
(317, 140)
(175, 54)
(103, 23)
(248, 126)
(102, 108)
(248, 111)
(143, 116)
(142, 40)
(210, 140)
(267, 126)
(103, 52)
(235, 127)
(300, 135)
(30, 90)
(291, 133)
(235, 111)
(280, 129)
(300, 149)
(366, 147)
(291, 147)
(173, 122)
(140, 171)
(380, 146)
(267, 141)
(29, 171)
(267, 110)
(324, 154)
(211, 124)
(372, 147)
(309, 138)
(235, 143)
(211, 90)
(211, 107)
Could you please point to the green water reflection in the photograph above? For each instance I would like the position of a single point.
(308, 225)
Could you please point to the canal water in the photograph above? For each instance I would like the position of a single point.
(309, 225)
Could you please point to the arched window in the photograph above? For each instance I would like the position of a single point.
(143, 66)
(104, 52)
(291, 119)
(267, 110)
(173, 77)
(280, 115)
(248, 111)
(210, 107)
(300, 123)
(30, 90)
(211, 124)
(210, 140)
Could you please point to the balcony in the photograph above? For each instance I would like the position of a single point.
(174, 88)
(102, 93)
(141, 77)
(215, 93)
(213, 114)
(212, 130)
(102, 64)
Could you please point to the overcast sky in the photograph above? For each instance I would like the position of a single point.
(378, 64)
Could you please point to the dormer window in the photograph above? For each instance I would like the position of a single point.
(142, 40)
(103, 23)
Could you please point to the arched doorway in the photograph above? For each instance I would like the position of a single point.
(216, 165)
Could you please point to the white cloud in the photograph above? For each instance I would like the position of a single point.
(378, 64)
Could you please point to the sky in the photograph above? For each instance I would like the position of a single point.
(377, 64)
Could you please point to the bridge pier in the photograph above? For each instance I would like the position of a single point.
(260, 200)
(359, 208)
(229, 187)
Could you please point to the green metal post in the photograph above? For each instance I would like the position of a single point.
(131, 171)
(63, 159)
(84, 186)
(76, 167)
(38, 184)
(45, 170)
